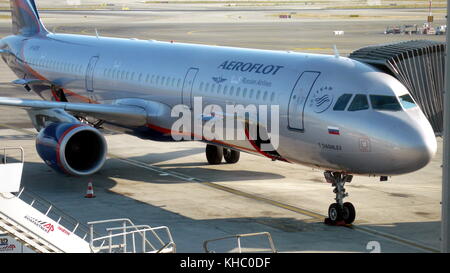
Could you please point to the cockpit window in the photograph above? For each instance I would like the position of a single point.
(388, 103)
(407, 101)
(359, 103)
(342, 102)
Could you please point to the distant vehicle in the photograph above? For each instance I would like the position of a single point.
(427, 29)
(410, 29)
(392, 30)
(331, 113)
(441, 30)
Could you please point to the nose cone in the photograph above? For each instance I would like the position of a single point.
(413, 147)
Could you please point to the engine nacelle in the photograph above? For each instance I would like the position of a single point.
(72, 148)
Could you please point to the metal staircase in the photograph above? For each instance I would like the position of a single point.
(40, 226)
(25, 237)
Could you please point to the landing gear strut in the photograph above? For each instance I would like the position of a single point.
(339, 213)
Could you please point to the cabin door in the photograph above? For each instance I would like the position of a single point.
(298, 99)
(186, 97)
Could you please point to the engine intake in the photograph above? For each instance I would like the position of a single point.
(72, 148)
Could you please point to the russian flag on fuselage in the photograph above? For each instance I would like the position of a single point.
(333, 130)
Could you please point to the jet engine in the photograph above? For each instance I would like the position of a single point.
(72, 148)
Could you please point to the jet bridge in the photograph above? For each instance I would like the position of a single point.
(419, 65)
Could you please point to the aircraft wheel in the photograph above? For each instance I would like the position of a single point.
(348, 213)
(214, 154)
(334, 213)
(231, 156)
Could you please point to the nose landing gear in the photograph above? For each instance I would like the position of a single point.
(339, 213)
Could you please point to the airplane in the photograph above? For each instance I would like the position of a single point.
(334, 113)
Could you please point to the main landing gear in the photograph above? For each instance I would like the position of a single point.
(339, 213)
(214, 155)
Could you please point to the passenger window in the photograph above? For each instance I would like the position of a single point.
(342, 102)
(359, 103)
(407, 101)
(387, 103)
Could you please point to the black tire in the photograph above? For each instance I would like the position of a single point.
(348, 213)
(214, 154)
(335, 213)
(231, 156)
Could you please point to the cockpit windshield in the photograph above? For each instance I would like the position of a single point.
(387, 103)
(359, 103)
(342, 102)
(407, 102)
(378, 102)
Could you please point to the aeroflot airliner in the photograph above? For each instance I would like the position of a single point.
(334, 113)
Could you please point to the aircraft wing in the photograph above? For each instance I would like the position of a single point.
(132, 115)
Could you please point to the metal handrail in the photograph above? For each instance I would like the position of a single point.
(145, 226)
(110, 236)
(49, 207)
(139, 229)
(22, 154)
(238, 237)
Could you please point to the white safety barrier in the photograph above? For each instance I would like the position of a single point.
(10, 173)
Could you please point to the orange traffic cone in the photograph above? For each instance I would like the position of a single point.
(90, 190)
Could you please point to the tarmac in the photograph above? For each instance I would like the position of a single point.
(171, 184)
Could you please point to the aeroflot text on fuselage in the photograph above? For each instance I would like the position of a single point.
(251, 67)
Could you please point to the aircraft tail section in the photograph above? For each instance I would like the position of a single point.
(25, 18)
